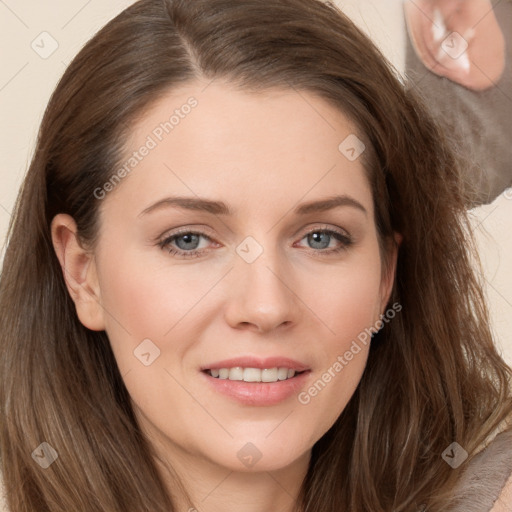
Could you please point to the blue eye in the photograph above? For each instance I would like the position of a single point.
(322, 238)
(186, 243)
(190, 241)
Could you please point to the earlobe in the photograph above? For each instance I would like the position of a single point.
(79, 272)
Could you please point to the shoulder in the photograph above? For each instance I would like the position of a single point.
(485, 484)
(504, 501)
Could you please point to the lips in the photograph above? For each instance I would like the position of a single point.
(255, 362)
(261, 388)
(258, 393)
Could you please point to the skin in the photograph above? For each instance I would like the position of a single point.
(478, 33)
(504, 501)
(262, 154)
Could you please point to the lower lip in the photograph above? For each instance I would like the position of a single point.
(258, 393)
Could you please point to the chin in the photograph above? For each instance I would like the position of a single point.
(255, 457)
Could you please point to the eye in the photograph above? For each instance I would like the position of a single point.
(187, 241)
(187, 244)
(322, 239)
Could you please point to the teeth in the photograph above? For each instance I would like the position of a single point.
(236, 373)
(282, 373)
(253, 374)
(269, 375)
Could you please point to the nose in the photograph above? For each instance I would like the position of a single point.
(261, 294)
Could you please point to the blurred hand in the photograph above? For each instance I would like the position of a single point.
(458, 39)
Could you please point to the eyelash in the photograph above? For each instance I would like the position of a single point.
(164, 244)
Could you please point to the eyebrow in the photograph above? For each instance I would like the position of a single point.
(221, 208)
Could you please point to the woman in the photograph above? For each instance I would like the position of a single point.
(240, 274)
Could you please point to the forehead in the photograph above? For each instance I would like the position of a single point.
(249, 149)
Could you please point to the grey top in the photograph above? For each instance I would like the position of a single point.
(483, 480)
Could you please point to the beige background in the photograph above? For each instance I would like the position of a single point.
(27, 81)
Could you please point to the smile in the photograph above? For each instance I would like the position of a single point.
(253, 374)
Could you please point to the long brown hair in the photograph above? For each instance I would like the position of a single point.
(433, 375)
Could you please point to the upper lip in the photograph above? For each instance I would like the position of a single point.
(256, 362)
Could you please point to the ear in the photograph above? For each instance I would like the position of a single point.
(388, 275)
(79, 270)
(461, 41)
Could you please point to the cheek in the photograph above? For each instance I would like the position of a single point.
(355, 302)
(349, 306)
(346, 299)
(143, 302)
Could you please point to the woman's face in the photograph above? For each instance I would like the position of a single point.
(250, 264)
